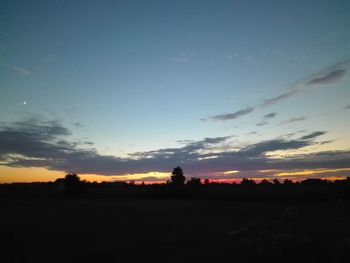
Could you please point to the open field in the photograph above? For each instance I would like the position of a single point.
(179, 230)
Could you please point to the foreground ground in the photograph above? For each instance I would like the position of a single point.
(86, 230)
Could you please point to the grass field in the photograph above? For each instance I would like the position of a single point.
(86, 230)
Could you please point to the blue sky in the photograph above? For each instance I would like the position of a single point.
(139, 76)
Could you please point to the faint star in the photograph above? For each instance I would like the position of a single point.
(24, 103)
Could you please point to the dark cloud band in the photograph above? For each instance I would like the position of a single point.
(47, 144)
(231, 116)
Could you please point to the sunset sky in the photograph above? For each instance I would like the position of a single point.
(128, 90)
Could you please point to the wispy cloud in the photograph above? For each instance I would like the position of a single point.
(279, 98)
(265, 118)
(21, 71)
(231, 116)
(183, 58)
(185, 141)
(295, 119)
(270, 115)
(312, 135)
(180, 60)
(262, 123)
(326, 142)
(347, 107)
(330, 76)
(78, 124)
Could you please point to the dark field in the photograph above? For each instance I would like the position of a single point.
(173, 230)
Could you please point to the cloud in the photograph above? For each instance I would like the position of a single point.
(262, 123)
(185, 141)
(35, 129)
(266, 117)
(261, 148)
(347, 107)
(33, 140)
(314, 173)
(21, 71)
(48, 144)
(231, 116)
(34, 143)
(326, 142)
(279, 98)
(295, 119)
(332, 75)
(313, 135)
(78, 124)
(326, 159)
(328, 78)
(270, 115)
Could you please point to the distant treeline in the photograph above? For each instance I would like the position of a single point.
(73, 187)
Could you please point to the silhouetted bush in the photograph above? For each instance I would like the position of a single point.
(72, 184)
(287, 182)
(247, 182)
(265, 182)
(276, 182)
(194, 183)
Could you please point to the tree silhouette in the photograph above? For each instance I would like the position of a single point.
(194, 182)
(72, 179)
(287, 182)
(132, 182)
(177, 177)
(276, 182)
(265, 182)
(73, 184)
(248, 182)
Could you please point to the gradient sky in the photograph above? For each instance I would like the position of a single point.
(120, 90)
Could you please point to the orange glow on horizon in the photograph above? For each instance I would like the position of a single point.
(147, 177)
(311, 172)
(28, 175)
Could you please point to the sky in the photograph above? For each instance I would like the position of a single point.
(128, 90)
